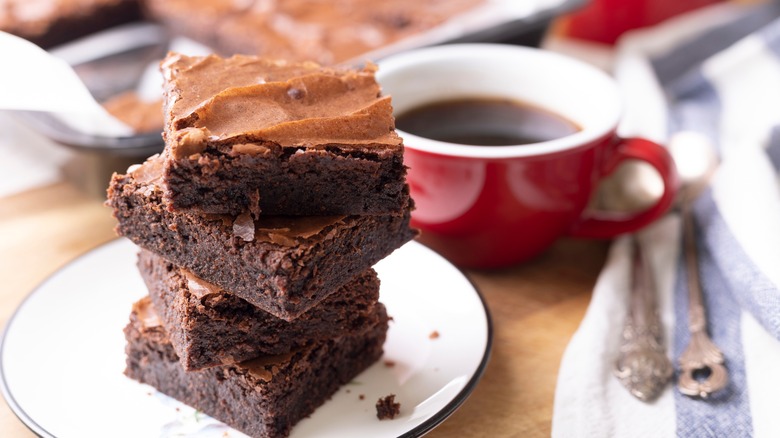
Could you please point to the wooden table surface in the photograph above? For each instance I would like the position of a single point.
(536, 307)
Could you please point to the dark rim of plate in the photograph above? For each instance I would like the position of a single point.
(458, 400)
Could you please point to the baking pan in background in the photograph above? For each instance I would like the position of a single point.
(114, 61)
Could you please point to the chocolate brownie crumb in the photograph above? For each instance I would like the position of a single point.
(386, 407)
(362, 396)
(389, 363)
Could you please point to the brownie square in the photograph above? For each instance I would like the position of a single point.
(277, 138)
(262, 397)
(283, 265)
(207, 326)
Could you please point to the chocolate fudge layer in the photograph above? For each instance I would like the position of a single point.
(284, 265)
(246, 133)
(51, 22)
(210, 327)
(263, 397)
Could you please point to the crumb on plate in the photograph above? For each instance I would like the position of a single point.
(386, 407)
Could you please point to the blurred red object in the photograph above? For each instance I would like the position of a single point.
(605, 20)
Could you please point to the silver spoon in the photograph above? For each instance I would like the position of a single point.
(642, 365)
(702, 370)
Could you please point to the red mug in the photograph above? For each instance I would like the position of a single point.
(494, 206)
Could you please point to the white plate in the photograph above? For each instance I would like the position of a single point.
(62, 355)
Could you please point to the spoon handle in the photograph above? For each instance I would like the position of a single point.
(702, 371)
(642, 365)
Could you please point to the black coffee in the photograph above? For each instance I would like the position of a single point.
(485, 122)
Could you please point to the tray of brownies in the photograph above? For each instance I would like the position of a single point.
(113, 45)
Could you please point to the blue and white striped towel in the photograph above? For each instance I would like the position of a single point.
(712, 74)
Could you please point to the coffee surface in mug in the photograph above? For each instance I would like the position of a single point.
(485, 122)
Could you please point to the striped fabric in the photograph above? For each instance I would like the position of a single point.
(713, 74)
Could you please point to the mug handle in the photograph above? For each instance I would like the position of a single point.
(604, 225)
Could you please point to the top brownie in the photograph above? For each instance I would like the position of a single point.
(277, 138)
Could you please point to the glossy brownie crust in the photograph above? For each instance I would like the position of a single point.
(210, 327)
(278, 138)
(262, 398)
(289, 181)
(283, 280)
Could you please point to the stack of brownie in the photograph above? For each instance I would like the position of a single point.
(279, 187)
